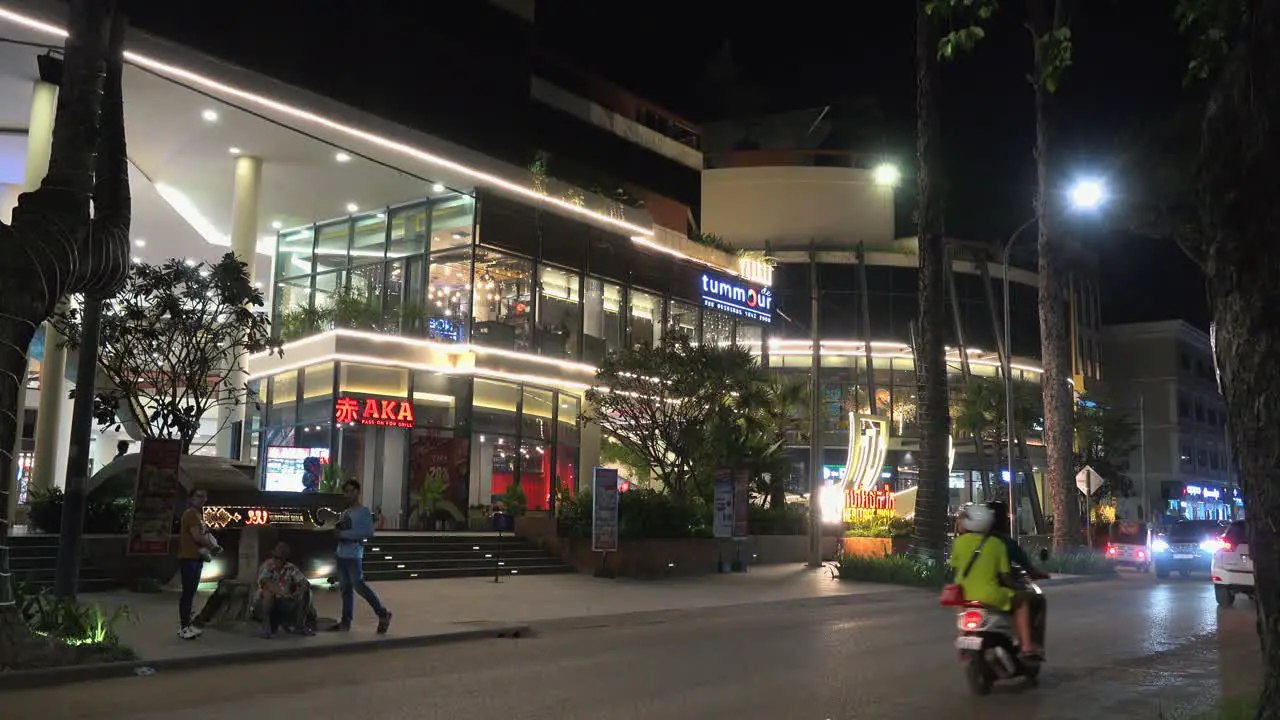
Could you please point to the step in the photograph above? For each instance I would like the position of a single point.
(452, 543)
(454, 572)
(474, 564)
(87, 585)
(398, 555)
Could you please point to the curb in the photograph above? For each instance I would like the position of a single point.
(1078, 580)
(27, 679)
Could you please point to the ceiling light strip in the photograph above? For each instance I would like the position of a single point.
(425, 367)
(300, 114)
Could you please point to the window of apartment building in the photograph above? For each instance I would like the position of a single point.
(1211, 417)
(1199, 411)
(1185, 460)
(1184, 406)
(1202, 458)
(1214, 459)
(1184, 360)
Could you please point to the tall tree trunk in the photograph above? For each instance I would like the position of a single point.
(930, 354)
(1055, 349)
(49, 253)
(1239, 173)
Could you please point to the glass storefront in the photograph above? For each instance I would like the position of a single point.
(426, 446)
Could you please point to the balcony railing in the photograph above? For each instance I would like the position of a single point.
(789, 158)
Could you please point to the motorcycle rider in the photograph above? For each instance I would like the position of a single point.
(980, 564)
(1000, 527)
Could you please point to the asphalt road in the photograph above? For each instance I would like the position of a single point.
(1122, 648)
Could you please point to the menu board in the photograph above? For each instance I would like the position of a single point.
(604, 501)
(286, 467)
(155, 497)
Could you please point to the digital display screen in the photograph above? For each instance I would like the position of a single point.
(286, 468)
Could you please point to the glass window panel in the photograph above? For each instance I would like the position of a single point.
(408, 231)
(494, 407)
(751, 337)
(535, 473)
(359, 306)
(317, 395)
(327, 286)
(356, 379)
(332, 241)
(537, 414)
(683, 318)
(602, 319)
(503, 301)
(559, 312)
(412, 320)
(448, 303)
(292, 318)
(284, 399)
(452, 222)
(437, 397)
(369, 241)
(717, 329)
(293, 252)
(567, 468)
(394, 304)
(905, 409)
(646, 318)
(567, 420)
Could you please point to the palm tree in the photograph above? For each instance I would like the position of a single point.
(930, 351)
(52, 249)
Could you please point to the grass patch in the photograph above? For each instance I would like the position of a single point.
(1078, 562)
(893, 570)
(879, 527)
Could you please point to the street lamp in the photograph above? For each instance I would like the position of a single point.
(886, 174)
(1085, 195)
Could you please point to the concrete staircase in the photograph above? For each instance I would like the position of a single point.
(420, 557)
(34, 560)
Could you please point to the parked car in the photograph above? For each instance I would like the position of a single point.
(1186, 547)
(1232, 569)
(1129, 544)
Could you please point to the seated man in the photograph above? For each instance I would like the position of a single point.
(980, 562)
(284, 595)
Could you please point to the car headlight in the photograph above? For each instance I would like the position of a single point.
(1159, 545)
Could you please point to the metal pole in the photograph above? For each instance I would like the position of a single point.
(67, 577)
(1142, 456)
(1008, 394)
(866, 329)
(815, 420)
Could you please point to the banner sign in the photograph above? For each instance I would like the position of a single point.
(741, 503)
(379, 412)
(155, 497)
(722, 508)
(604, 504)
(733, 296)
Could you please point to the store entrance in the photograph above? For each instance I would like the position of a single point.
(377, 458)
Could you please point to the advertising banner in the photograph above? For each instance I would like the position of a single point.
(722, 510)
(604, 516)
(155, 498)
(741, 503)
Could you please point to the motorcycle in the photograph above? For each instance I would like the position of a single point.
(988, 642)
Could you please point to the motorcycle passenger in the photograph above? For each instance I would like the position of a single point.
(1000, 527)
(980, 564)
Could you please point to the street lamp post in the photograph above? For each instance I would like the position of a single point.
(1084, 195)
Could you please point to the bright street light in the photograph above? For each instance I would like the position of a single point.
(886, 174)
(1088, 194)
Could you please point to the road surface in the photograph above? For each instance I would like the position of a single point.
(1125, 648)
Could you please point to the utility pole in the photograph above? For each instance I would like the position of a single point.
(815, 419)
(1142, 455)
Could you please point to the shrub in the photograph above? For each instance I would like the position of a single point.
(642, 513)
(75, 624)
(880, 526)
(1078, 562)
(894, 570)
(790, 519)
(102, 516)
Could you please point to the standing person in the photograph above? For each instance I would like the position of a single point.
(354, 527)
(122, 449)
(195, 545)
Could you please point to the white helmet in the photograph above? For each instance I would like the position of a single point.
(976, 518)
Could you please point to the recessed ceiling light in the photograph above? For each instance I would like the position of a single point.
(210, 115)
(140, 242)
(352, 207)
(342, 157)
(277, 225)
(234, 150)
(437, 188)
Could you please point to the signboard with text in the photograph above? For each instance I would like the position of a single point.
(604, 504)
(722, 508)
(741, 503)
(155, 497)
(737, 297)
(373, 412)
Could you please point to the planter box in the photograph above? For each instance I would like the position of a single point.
(536, 525)
(677, 557)
(873, 547)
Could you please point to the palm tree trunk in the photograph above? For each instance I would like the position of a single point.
(930, 354)
(1046, 16)
(1239, 171)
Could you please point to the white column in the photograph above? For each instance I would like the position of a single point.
(246, 192)
(44, 106)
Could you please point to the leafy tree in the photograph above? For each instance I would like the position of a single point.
(1236, 50)
(1052, 47)
(930, 534)
(980, 410)
(71, 235)
(171, 342)
(1105, 440)
(687, 410)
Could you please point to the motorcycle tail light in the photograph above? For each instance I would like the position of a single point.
(971, 620)
(1112, 550)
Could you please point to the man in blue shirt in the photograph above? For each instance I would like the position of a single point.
(354, 527)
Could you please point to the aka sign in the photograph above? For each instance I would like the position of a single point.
(737, 297)
(373, 412)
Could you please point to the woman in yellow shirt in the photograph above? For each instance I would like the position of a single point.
(980, 563)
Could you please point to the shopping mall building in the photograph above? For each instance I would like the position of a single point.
(443, 305)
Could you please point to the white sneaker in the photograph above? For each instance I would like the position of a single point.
(190, 633)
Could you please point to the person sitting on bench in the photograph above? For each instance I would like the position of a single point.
(284, 595)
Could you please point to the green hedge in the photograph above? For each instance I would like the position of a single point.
(644, 513)
(1076, 562)
(102, 516)
(894, 570)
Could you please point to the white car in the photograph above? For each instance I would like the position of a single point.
(1232, 570)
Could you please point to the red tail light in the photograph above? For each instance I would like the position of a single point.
(1112, 550)
(1226, 546)
(1215, 578)
(1142, 554)
(971, 620)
